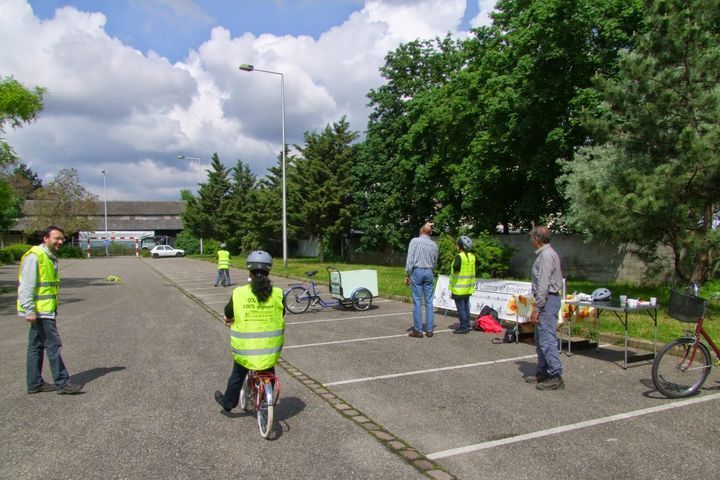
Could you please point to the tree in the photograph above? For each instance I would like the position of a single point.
(63, 202)
(238, 205)
(24, 181)
(654, 176)
(203, 214)
(323, 181)
(18, 105)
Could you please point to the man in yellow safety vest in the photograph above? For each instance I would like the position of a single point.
(38, 286)
(223, 263)
(257, 327)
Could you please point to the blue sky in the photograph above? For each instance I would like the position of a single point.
(172, 27)
(133, 84)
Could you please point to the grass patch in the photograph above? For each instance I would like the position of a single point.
(391, 281)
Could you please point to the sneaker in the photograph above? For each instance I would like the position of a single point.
(415, 334)
(537, 378)
(552, 383)
(45, 387)
(69, 389)
(429, 334)
(220, 399)
(461, 331)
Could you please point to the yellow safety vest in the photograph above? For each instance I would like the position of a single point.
(223, 259)
(48, 282)
(463, 282)
(257, 334)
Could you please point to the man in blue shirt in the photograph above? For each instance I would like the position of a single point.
(420, 267)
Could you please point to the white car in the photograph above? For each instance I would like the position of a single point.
(166, 251)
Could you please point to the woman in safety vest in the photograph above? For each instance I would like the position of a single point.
(462, 281)
(257, 327)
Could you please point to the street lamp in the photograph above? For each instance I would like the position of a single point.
(250, 68)
(107, 240)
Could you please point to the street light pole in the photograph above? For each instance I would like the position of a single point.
(250, 68)
(107, 240)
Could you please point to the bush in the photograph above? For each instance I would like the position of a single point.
(18, 250)
(6, 256)
(70, 251)
(493, 257)
(187, 242)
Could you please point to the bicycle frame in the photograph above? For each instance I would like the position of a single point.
(701, 333)
(314, 295)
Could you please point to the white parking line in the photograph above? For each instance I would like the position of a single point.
(337, 342)
(430, 370)
(572, 426)
(226, 294)
(347, 318)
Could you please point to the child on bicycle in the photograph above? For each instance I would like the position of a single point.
(255, 315)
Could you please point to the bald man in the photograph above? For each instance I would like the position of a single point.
(420, 267)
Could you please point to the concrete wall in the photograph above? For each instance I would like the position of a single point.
(593, 261)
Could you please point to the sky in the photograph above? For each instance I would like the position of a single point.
(133, 84)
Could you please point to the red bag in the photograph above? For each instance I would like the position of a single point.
(487, 324)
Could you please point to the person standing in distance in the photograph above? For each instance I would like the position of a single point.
(420, 267)
(547, 286)
(462, 281)
(223, 263)
(39, 284)
(257, 327)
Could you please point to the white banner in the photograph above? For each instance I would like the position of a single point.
(504, 296)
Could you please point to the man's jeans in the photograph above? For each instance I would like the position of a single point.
(43, 337)
(422, 281)
(546, 341)
(217, 277)
(463, 310)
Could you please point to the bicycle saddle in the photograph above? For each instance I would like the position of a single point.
(311, 273)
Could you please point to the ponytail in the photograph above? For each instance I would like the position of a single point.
(260, 285)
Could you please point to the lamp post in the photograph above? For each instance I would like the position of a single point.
(107, 240)
(185, 157)
(250, 68)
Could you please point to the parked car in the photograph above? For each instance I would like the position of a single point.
(166, 251)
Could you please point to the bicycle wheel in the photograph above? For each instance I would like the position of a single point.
(362, 299)
(245, 400)
(297, 299)
(680, 369)
(266, 410)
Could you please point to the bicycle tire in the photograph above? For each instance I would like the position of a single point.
(674, 374)
(297, 300)
(266, 410)
(245, 400)
(362, 299)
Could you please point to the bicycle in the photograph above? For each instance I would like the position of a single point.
(299, 297)
(259, 393)
(682, 366)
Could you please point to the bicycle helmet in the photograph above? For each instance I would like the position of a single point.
(601, 295)
(465, 242)
(259, 260)
(222, 245)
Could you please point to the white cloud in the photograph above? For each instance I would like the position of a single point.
(483, 16)
(111, 106)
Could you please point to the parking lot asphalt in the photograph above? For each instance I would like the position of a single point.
(360, 399)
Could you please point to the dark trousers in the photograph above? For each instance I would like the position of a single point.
(44, 339)
(462, 303)
(232, 391)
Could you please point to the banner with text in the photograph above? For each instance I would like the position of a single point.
(511, 299)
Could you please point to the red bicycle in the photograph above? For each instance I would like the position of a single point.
(683, 365)
(259, 393)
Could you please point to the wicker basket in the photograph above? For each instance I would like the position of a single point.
(686, 308)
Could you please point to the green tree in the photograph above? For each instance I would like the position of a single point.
(239, 203)
(24, 181)
(63, 202)
(204, 214)
(322, 177)
(18, 105)
(654, 177)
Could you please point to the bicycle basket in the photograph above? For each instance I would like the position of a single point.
(686, 308)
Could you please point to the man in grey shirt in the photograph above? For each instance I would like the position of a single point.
(547, 286)
(37, 302)
(420, 267)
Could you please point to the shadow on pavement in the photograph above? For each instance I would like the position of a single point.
(93, 374)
